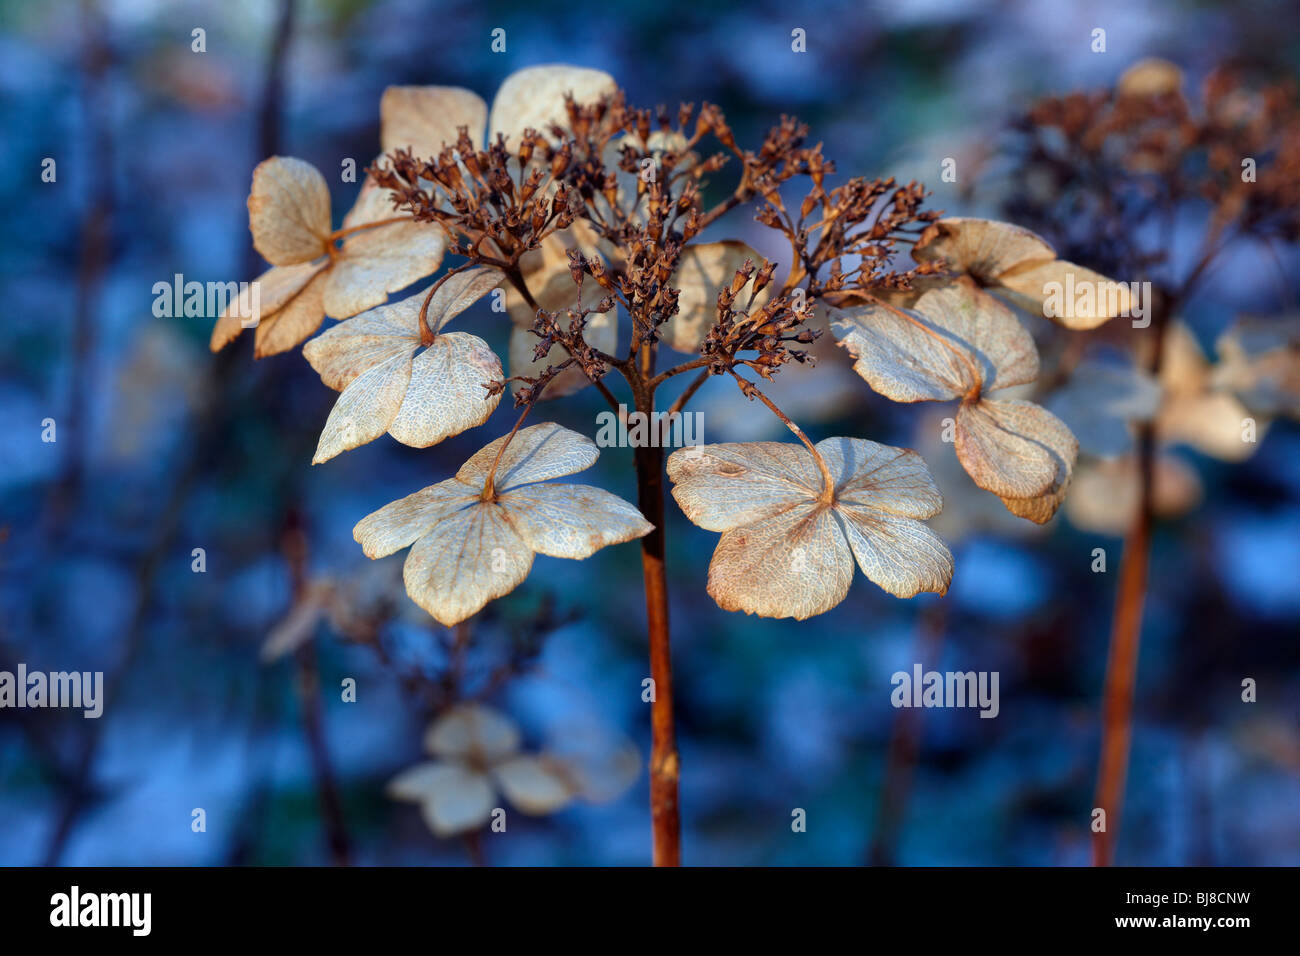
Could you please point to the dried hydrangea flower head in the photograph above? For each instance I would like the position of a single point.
(588, 214)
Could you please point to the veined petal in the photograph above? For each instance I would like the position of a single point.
(466, 559)
(341, 353)
(1007, 447)
(366, 407)
(289, 211)
(901, 555)
(275, 289)
(380, 260)
(536, 453)
(571, 521)
(445, 395)
(398, 523)
(726, 486)
(458, 292)
(295, 321)
(985, 248)
(904, 355)
(534, 98)
(881, 477)
(424, 119)
(796, 564)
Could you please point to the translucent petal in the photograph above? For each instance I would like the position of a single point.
(275, 289)
(295, 322)
(423, 119)
(796, 564)
(702, 272)
(534, 98)
(984, 248)
(398, 523)
(571, 521)
(901, 555)
(445, 395)
(727, 486)
(1005, 447)
(536, 453)
(881, 477)
(465, 560)
(289, 211)
(366, 408)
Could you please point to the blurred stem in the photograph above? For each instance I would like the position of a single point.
(1126, 629)
(307, 684)
(664, 763)
(905, 743)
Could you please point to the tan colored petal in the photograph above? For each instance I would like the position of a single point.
(424, 119)
(366, 408)
(728, 486)
(571, 521)
(984, 248)
(276, 287)
(289, 211)
(467, 559)
(1211, 422)
(472, 731)
(881, 477)
(458, 292)
(904, 355)
(377, 261)
(1106, 493)
(796, 564)
(1006, 447)
(445, 395)
(534, 784)
(955, 339)
(341, 353)
(1259, 360)
(900, 555)
(1184, 369)
(701, 273)
(1069, 295)
(399, 523)
(533, 98)
(295, 322)
(536, 453)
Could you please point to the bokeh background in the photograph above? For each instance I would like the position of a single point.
(163, 448)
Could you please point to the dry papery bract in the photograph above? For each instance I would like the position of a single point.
(583, 212)
(477, 754)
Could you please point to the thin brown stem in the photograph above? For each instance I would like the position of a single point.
(1126, 632)
(828, 483)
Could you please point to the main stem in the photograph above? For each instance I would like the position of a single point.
(1121, 665)
(664, 765)
(1126, 630)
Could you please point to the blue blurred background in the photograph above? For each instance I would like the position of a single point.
(163, 448)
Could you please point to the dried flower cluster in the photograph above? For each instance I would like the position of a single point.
(576, 211)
